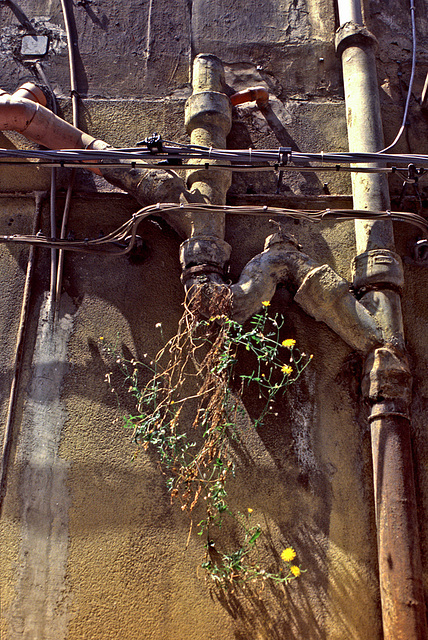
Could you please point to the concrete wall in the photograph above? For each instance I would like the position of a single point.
(91, 546)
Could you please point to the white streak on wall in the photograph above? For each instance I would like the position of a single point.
(39, 611)
(302, 431)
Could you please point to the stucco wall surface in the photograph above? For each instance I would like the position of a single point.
(92, 547)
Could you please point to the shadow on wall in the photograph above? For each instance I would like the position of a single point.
(310, 607)
(265, 121)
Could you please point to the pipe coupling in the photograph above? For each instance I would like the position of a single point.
(377, 269)
(387, 379)
(352, 34)
(204, 250)
(208, 109)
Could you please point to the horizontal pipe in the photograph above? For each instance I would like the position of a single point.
(27, 116)
(260, 95)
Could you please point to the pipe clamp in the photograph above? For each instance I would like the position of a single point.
(377, 267)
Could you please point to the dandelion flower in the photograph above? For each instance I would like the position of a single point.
(266, 303)
(101, 338)
(295, 570)
(288, 343)
(287, 369)
(288, 554)
(250, 510)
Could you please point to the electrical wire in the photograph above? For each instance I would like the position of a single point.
(68, 19)
(412, 76)
(170, 157)
(126, 234)
(52, 198)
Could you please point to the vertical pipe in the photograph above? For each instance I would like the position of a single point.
(208, 118)
(387, 382)
(72, 48)
(19, 351)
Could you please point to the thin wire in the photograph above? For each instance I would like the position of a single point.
(75, 108)
(412, 76)
(52, 198)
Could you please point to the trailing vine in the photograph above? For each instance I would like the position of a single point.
(193, 380)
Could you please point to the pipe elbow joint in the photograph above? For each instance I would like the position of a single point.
(326, 297)
(281, 261)
(16, 113)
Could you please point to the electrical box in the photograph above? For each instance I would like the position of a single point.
(34, 46)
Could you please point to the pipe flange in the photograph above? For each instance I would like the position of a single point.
(388, 379)
(208, 108)
(379, 268)
(204, 250)
(200, 270)
(352, 34)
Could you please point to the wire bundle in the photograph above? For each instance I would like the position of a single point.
(127, 232)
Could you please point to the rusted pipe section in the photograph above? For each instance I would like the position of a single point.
(378, 281)
(259, 95)
(21, 112)
(387, 384)
(24, 111)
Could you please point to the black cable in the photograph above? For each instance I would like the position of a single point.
(240, 156)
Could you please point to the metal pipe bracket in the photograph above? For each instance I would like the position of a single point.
(379, 268)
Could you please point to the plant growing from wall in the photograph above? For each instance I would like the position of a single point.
(193, 379)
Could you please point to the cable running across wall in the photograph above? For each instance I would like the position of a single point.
(126, 234)
(171, 157)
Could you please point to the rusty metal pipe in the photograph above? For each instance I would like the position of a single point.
(37, 123)
(260, 95)
(378, 279)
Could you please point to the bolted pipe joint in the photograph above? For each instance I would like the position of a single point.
(203, 255)
(378, 280)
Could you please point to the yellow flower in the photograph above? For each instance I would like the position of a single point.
(266, 303)
(250, 510)
(288, 343)
(295, 570)
(101, 337)
(288, 554)
(287, 369)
